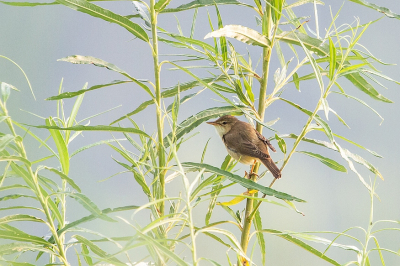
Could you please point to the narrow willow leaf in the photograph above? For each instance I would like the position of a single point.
(23, 237)
(195, 120)
(277, 10)
(242, 181)
(5, 90)
(80, 59)
(302, 2)
(107, 15)
(90, 206)
(260, 237)
(242, 34)
(301, 244)
(72, 94)
(17, 247)
(360, 101)
(93, 145)
(325, 107)
(161, 4)
(365, 87)
(222, 40)
(184, 39)
(339, 117)
(19, 218)
(15, 158)
(281, 143)
(380, 9)
(352, 69)
(332, 59)
(345, 152)
(143, 12)
(312, 44)
(98, 251)
(60, 144)
(317, 119)
(329, 162)
(86, 256)
(296, 81)
(98, 128)
(314, 66)
(203, 3)
(64, 177)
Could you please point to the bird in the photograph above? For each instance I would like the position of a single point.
(244, 143)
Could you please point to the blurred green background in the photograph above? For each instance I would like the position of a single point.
(36, 37)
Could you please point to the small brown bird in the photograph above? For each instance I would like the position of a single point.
(244, 143)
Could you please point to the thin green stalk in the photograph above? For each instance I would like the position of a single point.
(43, 202)
(160, 126)
(261, 111)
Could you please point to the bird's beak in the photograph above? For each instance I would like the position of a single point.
(212, 123)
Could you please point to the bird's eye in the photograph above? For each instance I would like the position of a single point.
(224, 123)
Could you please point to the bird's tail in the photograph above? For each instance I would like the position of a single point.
(269, 163)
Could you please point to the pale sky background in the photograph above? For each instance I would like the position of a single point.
(36, 37)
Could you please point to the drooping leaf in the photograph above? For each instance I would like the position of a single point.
(107, 15)
(90, 206)
(332, 59)
(72, 94)
(98, 128)
(60, 144)
(329, 162)
(380, 9)
(301, 244)
(242, 34)
(23, 237)
(242, 181)
(98, 251)
(203, 3)
(64, 177)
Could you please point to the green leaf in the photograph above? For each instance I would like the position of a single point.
(85, 252)
(296, 81)
(64, 177)
(329, 162)
(98, 251)
(107, 15)
(380, 9)
(314, 66)
(20, 217)
(98, 128)
(365, 87)
(260, 236)
(242, 34)
(15, 158)
(277, 10)
(242, 181)
(195, 120)
(17, 247)
(161, 4)
(90, 206)
(312, 44)
(184, 39)
(19, 235)
(281, 143)
(301, 244)
(60, 144)
(332, 59)
(72, 94)
(222, 40)
(203, 3)
(302, 2)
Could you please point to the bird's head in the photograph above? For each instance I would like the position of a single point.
(224, 124)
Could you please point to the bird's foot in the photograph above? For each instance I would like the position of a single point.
(248, 175)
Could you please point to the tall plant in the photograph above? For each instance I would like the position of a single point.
(245, 89)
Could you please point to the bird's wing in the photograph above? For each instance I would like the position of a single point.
(265, 140)
(246, 147)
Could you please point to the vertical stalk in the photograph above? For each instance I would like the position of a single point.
(261, 111)
(160, 126)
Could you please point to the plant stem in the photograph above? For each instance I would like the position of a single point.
(261, 111)
(160, 126)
